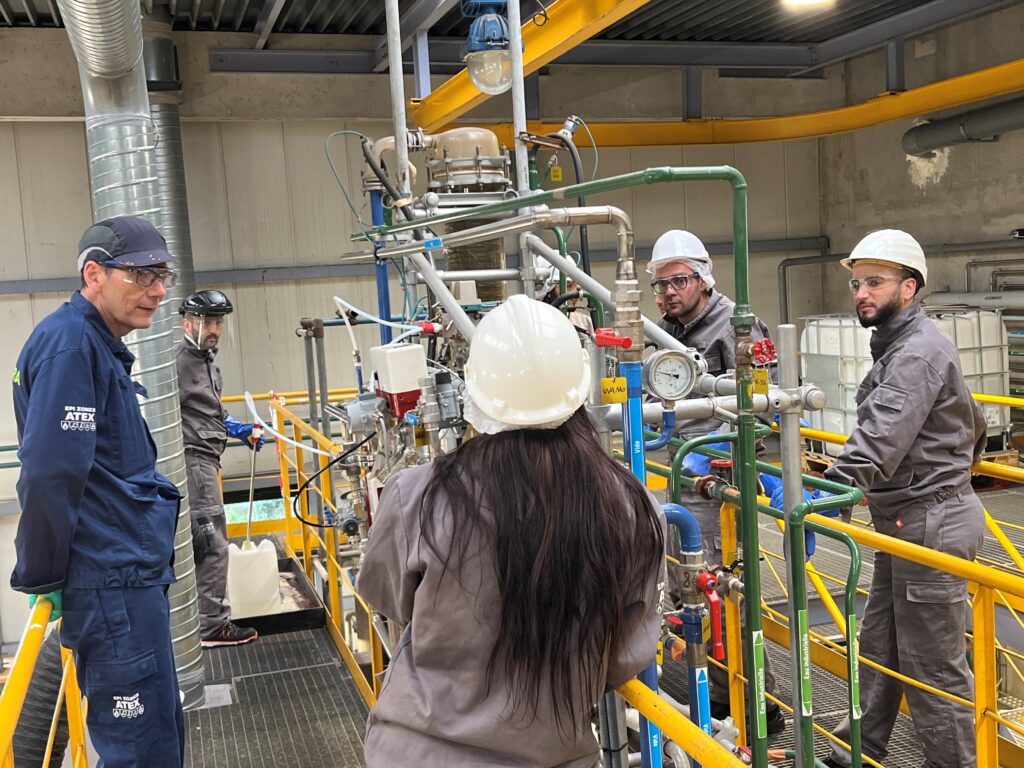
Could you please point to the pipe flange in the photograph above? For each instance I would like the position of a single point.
(704, 485)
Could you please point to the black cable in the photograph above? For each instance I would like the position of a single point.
(577, 169)
(302, 488)
(567, 296)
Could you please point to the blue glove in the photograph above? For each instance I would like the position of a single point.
(242, 432)
(697, 464)
(55, 597)
(803, 422)
(810, 542)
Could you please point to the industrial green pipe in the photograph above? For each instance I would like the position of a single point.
(563, 250)
(660, 175)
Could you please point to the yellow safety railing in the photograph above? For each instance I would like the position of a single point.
(16, 689)
(987, 585)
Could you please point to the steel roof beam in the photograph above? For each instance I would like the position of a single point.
(917, 21)
(422, 15)
(267, 19)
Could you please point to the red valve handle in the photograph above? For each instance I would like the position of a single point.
(763, 351)
(606, 337)
(708, 585)
(426, 327)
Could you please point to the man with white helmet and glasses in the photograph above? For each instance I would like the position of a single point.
(700, 317)
(918, 432)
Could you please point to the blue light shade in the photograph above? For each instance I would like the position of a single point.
(487, 33)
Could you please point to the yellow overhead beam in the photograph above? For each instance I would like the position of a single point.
(989, 83)
(570, 22)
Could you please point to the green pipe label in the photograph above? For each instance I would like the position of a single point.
(762, 724)
(853, 649)
(805, 664)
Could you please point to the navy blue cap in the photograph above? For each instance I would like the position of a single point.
(127, 240)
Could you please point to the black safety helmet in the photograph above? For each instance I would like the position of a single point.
(206, 304)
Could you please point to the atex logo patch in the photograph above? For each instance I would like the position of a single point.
(79, 418)
(128, 706)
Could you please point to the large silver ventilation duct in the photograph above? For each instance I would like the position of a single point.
(106, 36)
(982, 124)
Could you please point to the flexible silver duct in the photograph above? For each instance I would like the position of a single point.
(106, 36)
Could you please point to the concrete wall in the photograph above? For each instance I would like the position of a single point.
(966, 193)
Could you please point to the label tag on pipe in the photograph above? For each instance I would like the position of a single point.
(851, 630)
(614, 390)
(556, 173)
(805, 663)
(761, 381)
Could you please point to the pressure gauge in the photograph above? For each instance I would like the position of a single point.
(670, 375)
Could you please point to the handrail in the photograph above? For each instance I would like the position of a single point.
(16, 688)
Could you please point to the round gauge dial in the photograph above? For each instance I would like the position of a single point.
(671, 375)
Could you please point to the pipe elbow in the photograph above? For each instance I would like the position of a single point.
(686, 523)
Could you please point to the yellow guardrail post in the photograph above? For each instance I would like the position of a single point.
(16, 687)
(76, 713)
(986, 695)
(733, 642)
(300, 463)
(687, 734)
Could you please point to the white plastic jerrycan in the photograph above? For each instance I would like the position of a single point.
(253, 586)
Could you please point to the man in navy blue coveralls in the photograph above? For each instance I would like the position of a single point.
(97, 520)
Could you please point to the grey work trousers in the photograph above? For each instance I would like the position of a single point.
(205, 500)
(915, 623)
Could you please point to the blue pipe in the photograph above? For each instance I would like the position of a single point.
(383, 292)
(633, 439)
(633, 426)
(687, 525)
(668, 426)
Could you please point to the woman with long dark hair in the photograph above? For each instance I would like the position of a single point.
(526, 566)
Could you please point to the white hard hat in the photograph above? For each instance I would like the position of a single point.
(890, 246)
(677, 245)
(526, 366)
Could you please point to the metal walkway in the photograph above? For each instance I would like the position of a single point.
(284, 700)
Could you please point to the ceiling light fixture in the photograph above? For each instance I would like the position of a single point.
(486, 52)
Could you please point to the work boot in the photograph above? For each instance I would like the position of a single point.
(229, 634)
(775, 721)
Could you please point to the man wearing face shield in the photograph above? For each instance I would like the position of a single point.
(206, 427)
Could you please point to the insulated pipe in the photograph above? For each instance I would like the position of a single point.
(793, 546)
(106, 36)
(987, 123)
(515, 49)
(396, 75)
(455, 275)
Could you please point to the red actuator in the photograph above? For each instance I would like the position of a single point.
(606, 337)
(708, 585)
(763, 351)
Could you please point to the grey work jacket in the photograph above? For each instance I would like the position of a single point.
(200, 386)
(918, 428)
(435, 708)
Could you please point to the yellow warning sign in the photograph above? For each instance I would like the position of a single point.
(613, 390)
(760, 381)
(556, 173)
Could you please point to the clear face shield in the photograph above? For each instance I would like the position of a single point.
(208, 332)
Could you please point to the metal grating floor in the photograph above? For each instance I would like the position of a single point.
(829, 698)
(292, 703)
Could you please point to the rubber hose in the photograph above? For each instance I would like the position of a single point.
(577, 169)
(33, 729)
(568, 296)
